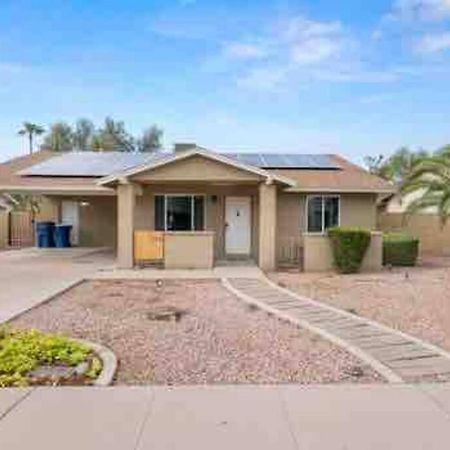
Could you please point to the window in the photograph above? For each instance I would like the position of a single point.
(179, 212)
(322, 213)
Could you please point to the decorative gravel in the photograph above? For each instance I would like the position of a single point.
(414, 300)
(217, 339)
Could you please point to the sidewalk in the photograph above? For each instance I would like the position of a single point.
(227, 417)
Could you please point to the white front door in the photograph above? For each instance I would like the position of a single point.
(238, 225)
(70, 216)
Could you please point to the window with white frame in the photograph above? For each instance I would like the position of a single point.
(323, 212)
(179, 212)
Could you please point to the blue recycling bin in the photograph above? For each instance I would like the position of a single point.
(62, 235)
(44, 234)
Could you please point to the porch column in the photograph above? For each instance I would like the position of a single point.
(125, 225)
(267, 226)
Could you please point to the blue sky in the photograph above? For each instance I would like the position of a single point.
(351, 77)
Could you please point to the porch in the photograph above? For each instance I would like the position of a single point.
(196, 226)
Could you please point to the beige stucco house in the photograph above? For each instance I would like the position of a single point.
(197, 206)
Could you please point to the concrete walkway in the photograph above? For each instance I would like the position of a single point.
(227, 417)
(30, 276)
(396, 356)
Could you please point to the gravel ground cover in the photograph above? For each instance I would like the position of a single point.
(204, 335)
(413, 300)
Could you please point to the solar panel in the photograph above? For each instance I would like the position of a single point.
(274, 160)
(88, 164)
(285, 160)
(253, 159)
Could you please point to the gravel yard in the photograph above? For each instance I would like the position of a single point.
(216, 339)
(413, 300)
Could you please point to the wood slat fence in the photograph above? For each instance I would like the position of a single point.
(16, 229)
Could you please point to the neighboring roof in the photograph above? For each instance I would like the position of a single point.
(347, 178)
(11, 181)
(351, 178)
(196, 151)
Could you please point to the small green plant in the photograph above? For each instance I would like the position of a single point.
(349, 246)
(400, 249)
(23, 350)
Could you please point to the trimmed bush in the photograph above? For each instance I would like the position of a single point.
(349, 247)
(400, 249)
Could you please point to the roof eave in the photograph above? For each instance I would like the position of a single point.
(355, 190)
(58, 190)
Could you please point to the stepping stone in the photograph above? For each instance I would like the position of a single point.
(356, 333)
(395, 353)
(386, 340)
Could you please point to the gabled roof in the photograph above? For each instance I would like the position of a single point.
(14, 173)
(197, 151)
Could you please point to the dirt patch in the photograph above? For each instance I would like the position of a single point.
(413, 300)
(216, 338)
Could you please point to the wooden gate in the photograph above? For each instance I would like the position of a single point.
(148, 246)
(4, 229)
(21, 229)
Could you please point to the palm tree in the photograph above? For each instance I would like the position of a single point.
(31, 130)
(430, 180)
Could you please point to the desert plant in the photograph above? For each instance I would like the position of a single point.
(23, 350)
(400, 249)
(349, 246)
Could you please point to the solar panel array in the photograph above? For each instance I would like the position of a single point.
(97, 164)
(88, 164)
(285, 160)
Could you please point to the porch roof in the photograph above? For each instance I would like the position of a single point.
(153, 164)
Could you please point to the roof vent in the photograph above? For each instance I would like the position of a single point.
(185, 146)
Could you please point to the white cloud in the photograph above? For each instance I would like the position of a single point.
(302, 28)
(315, 51)
(312, 42)
(302, 50)
(241, 50)
(434, 43)
(298, 51)
(419, 10)
(263, 79)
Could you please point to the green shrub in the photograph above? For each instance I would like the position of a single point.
(349, 247)
(400, 249)
(23, 350)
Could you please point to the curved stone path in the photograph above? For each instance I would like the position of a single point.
(397, 356)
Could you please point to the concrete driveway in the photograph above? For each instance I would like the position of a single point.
(30, 276)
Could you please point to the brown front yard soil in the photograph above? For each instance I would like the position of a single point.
(212, 337)
(413, 300)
